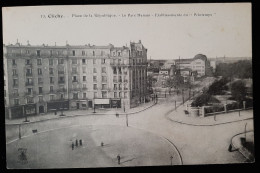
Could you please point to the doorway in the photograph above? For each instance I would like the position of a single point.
(41, 109)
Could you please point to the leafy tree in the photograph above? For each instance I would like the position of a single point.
(174, 81)
(238, 90)
(241, 69)
(204, 99)
(218, 87)
(150, 81)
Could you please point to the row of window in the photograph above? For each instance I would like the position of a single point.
(61, 80)
(60, 71)
(75, 61)
(75, 96)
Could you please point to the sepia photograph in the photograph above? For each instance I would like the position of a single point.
(133, 85)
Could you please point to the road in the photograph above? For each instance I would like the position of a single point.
(196, 144)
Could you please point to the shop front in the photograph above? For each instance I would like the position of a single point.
(16, 112)
(57, 105)
(30, 109)
(102, 103)
(115, 103)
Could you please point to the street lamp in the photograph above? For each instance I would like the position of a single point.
(245, 132)
(182, 96)
(126, 119)
(171, 159)
(20, 131)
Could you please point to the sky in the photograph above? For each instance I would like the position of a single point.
(215, 30)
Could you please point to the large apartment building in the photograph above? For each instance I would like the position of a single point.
(39, 79)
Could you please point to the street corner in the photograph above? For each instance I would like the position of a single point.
(244, 143)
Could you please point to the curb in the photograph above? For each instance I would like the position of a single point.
(180, 122)
(190, 124)
(76, 115)
(239, 149)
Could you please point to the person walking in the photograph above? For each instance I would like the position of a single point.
(80, 142)
(72, 145)
(118, 159)
(76, 142)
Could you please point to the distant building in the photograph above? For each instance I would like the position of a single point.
(199, 63)
(164, 72)
(39, 79)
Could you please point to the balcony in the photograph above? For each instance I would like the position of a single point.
(40, 82)
(74, 72)
(29, 94)
(51, 74)
(119, 64)
(51, 82)
(15, 94)
(15, 75)
(28, 65)
(15, 85)
(29, 84)
(61, 72)
(51, 91)
(61, 82)
(28, 74)
(75, 80)
(125, 88)
(61, 90)
(125, 80)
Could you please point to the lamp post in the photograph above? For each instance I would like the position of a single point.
(126, 119)
(245, 132)
(171, 159)
(182, 96)
(20, 131)
(94, 106)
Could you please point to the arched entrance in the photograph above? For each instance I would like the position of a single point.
(41, 109)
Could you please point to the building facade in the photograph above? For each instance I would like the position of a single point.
(44, 78)
(198, 64)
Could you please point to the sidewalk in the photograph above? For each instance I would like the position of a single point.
(72, 113)
(179, 116)
(237, 144)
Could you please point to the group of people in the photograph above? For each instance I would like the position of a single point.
(77, 143)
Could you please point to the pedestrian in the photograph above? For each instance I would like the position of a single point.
(230, 148)
(72, 146)
(118, 159)
(76, 142)
(80, 142)
(102, 144)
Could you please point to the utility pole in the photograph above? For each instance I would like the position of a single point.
(126, 120)
(182, 97)
(20, 131)
(245, 132)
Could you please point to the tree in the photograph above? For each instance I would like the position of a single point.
(218, 87)
(204, 99)
(174, 82)
(238, 90)
(150, 81)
